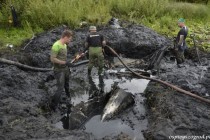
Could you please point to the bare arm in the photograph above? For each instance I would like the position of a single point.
(181, 39)
(104, 43)
(53, 59)
(86, 45)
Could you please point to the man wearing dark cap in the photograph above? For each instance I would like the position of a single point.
(95, 43)
(180, 42)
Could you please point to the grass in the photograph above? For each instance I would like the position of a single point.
(49, 13)
(160, 15)
(15, 36)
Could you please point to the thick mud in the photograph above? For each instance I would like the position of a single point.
(126, 122)
(173, 115)
(157, 113)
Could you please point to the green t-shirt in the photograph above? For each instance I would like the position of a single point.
(59, 51)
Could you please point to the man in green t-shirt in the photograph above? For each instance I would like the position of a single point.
(181, 44)
(61, 71)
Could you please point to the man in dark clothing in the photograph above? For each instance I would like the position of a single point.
(95, 43)
(14, 16)
(181, 45)
(59, 59)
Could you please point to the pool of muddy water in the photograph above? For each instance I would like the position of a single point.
(118, 125)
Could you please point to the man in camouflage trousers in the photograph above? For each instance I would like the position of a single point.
(181, 45)
(95, 43)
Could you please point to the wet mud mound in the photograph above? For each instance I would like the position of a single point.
(25, 94)
(174, 114)
(133, 41)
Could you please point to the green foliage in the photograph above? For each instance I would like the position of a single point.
(1, 18)
(193, 1)
(160, 15)
(6, 12)
(50, 13)
(138, 8)
(16, 36)
(202, 34)
(188, 10)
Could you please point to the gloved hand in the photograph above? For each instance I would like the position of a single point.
(69, 64)
(85, 50)
(82, 54)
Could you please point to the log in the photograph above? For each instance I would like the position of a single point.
(160, 81)
(9, 62)
(5, 61)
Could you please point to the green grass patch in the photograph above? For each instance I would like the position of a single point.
(160, 15)
(188, 10)
(15, 36)
(48, 13)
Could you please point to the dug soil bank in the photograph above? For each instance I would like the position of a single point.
(25, 94)
(173, 114)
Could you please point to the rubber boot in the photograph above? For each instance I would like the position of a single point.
(68, 94)
(89, 72)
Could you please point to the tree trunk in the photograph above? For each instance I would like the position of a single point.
(5, 61)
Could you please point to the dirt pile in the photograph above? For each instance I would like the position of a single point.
(175, 114)
(24, 94)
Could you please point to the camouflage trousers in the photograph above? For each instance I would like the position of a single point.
(96, 58)
(62, 79)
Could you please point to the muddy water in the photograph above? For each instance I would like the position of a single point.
(116, 126)
(110, 128)
(126, 122)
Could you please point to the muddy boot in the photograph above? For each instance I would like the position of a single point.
(68, 94)
(52, 106)
(101, 83)
(69, 106)
(68, 101)
(89, 72)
